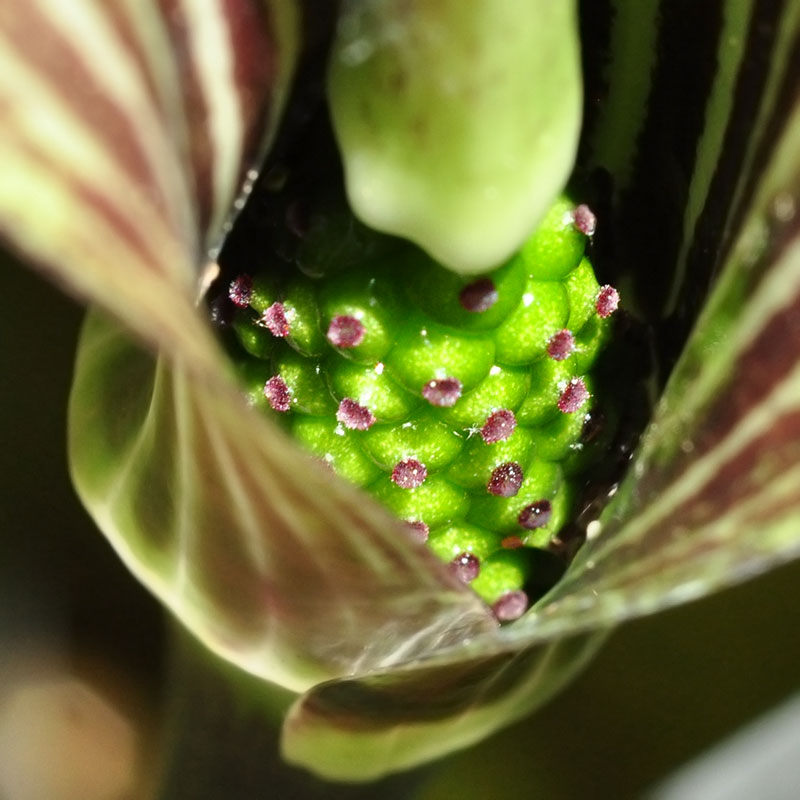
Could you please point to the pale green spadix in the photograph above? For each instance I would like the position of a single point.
(457, 130)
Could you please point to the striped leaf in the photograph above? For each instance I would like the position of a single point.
(268, 558)
(128, 128)
(693, 98)
(711, 496)
(362, 729)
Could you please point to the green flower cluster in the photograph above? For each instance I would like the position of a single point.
(460, 403)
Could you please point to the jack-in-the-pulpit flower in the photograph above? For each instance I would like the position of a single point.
(128, 128)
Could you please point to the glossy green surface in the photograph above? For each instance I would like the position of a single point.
(420, 328)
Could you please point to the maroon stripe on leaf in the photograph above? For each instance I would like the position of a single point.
(112, 211)
(195, 108)
(61, 65)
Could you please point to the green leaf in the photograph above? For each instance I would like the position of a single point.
(128, 132)
(712, 498)
(359, 730)
(709, 500)
(458, 127)
(120, 156)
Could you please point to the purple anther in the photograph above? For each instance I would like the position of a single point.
(607, 301)
(499, 425)
(354, 416)
(478, 296)
(510, 605)
(443, 392)
(345, 331)
(275, 321)
(419, 529)
(466, 566)
(536, 515)
(561, 345)
(574, 395)
(506, 480)
(409, 474)
(277, 393)
(585, 220)
(241, 290)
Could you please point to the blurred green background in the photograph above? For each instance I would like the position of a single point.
(661, 691)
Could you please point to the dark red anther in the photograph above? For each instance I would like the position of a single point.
(510, 605)
(536, 515)
(561, 345)
(443, 392)
(277, 393)
(499, 425)
(345, 332)
(585, 220)
(409, 474)
(241, 290)
(466, 566)
(275, 321)
(354, 416)
(506, 480)
(573, 396)
(607, 301)
(478, 296)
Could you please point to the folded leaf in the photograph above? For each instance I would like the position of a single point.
(127, 129)
(710, 498)
(271, 560)
(693, 98)
(360, 730)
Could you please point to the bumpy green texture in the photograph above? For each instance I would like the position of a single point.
(461, 403)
